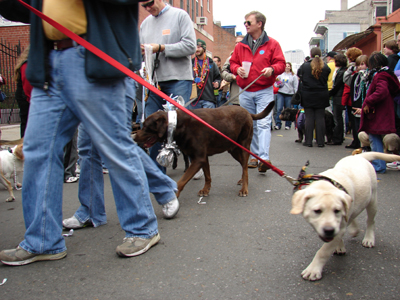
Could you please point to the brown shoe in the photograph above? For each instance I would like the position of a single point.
(262, 168)
(252, 163)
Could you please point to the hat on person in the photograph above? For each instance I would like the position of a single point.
(201, 44)
(331, 54)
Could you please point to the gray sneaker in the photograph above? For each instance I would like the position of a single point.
(170, 209)
(20, 257)
(134, 246)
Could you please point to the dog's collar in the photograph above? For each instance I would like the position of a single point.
(306, 179)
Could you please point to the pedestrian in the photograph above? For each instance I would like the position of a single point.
(170, 33)
(336, 93)
(330, 61)
(72, 86)
(314, 75)
(227, 75)
(358, 92)
(266, 58)
(91, 183)
(220, 93)
(391, 49)
(206, 76)
(290, 83)
(377, 114)
(24, 89)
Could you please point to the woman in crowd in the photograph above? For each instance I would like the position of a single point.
(377, 114)
(285, 94)
(314, 96)
(390, 49)
(336, 93)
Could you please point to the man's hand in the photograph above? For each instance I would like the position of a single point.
(267, 72)
(155, 47)
(366, 109)
(241, 72)
(215, 84)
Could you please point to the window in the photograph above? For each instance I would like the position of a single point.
(188, 7)
(197, 8)
(193, 15)
(182, 4)
(208, 5)
(201, 8)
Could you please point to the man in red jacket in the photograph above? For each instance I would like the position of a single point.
(266, 58)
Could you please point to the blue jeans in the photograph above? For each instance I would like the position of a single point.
(282, 101)
(53, 118)
(376, 143)
(254, 103)
(91, 182)
(201, 104)
(155, 103)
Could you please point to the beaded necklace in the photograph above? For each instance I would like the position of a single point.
(199, 78)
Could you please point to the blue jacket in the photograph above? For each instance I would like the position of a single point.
(112, 27)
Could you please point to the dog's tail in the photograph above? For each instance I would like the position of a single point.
(264, 113)
(370, 156)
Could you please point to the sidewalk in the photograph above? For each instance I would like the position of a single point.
(10, 132)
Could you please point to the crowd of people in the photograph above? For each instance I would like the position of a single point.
(78, 99)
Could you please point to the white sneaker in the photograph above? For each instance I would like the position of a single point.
(287, 128)
(198, 175)
(170, 209)
(78, 169)
(394, 165)
(73, 223)
(105, 171)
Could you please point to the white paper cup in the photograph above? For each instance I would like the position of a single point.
(246, 66)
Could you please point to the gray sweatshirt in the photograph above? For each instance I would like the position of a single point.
(291, 83)
(174, 29)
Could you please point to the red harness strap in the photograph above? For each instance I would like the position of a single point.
(137, 78)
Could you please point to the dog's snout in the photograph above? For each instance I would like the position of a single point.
(329, 231)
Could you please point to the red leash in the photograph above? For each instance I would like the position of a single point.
(140, 80)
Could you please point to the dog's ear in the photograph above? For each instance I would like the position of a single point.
(299, 199)
(346, 200)
(162, 125)
(18, 152)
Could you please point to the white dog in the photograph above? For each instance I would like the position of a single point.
(332, 203)
(11, 164)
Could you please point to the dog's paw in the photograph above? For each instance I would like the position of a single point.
(340, 251)
(10, 199)
(311, 274)
(203, 193)
(243, 193)
(368, 243)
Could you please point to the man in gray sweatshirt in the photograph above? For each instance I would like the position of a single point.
(170, 32)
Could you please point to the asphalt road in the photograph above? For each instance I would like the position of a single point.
(228, 248)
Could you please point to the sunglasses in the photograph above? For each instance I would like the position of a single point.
(148, 4)
(248, 23)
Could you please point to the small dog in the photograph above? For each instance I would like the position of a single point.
(332, 203)
(289, 114)
(12, 163)
(197, 141)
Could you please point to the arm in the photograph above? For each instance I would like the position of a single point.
(226, 74)
(295, 83)
(337, 85)
(381, 93)
(25, 83)
(216, 76)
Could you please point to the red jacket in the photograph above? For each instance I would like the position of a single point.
(269, 54)
(380, 119)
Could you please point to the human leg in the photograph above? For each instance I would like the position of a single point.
(320, 126)
(377, 146)
(246, 100)
(70, 159)
(280, 99)
(337, 138)
(309, 125)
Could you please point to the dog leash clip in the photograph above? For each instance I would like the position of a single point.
(291, 180)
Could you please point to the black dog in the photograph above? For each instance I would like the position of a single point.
(290, 114)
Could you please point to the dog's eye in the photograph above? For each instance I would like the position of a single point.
(337, 211)
(318, 211)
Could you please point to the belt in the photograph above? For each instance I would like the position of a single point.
(64, 44)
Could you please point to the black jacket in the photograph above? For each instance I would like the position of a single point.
(338, 85)
(314, 92)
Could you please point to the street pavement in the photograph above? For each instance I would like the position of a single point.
(227, 247)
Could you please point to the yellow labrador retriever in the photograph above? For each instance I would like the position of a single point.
(331, 205)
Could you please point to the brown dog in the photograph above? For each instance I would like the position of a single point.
(198, 141)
